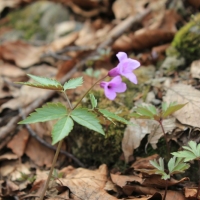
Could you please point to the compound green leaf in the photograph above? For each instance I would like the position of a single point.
(171, 109)
(44, 83)
(85, 118)
(93, 101)
(50, 111)
(73, 83)
(144, 112)
(187, 155)
(62, 129)
(109, 115)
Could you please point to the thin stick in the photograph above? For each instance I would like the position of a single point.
(51, 171)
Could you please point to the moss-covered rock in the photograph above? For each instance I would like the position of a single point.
(37, 20)
(187, 40)
(185, 46)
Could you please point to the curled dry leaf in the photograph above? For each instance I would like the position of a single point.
(88, 184)
(182, 94)
(18, 143)
(134, 134)
(23, 54)
(195, 69)
(121, 180)
(151, 35)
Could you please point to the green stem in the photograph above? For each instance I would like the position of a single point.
(68, 101)
(88, 91)
(165, 136)
(51, 170)
(55, 156)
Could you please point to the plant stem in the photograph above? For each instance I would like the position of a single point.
(197, 196)
(68, 101)
(88, 91)
(51, 170)
(165, 136)
(166, 186)
(55, 156)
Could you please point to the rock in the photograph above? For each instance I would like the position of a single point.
(185, 46)
(37, 21)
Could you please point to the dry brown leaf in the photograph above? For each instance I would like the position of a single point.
(129, 189)
(162, 30)
(182, 94)
(26, 96)
(88, 184)
(143, 163)
(134, 134)
(11, 71)
(9, 156)
(190, 192)
(40, 154)
(13, 169)
(19, 142)
(23, 54)
(195, 69)
(121, 180)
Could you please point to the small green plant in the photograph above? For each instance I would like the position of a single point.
(66, 116)
(26, 177)
(150, 112)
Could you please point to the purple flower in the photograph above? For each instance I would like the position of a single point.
(125, 67)
(112, 87)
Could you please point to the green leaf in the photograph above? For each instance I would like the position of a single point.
(62, 129)
(144, 112)
(50, 111)
(93, 101)
(44, 83)
(176, 165)
(73, 83)
(87, 119)
(89, 72)
(164, 106)
(187, 155)
(152, 109)
(160, 168)
(138, 116)
(109, 115)
(171, 109)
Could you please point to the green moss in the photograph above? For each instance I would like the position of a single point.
(187, 40)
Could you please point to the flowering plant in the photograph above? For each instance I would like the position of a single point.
(84, 116)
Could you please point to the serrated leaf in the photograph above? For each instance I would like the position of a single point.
(62, 129)
(138, 116)
(144, 112)
(187, 155)
(50, 111)
(93, 101)
(85, 118)
(176, 165)
(171, 109)
(152, 109)
(109, 115)
(44, 83)
(73, 83)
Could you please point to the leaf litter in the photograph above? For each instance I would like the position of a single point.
(22, 155)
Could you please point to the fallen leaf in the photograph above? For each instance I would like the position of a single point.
(88, 184)
(182, 94)
(8, 156)
(143, 163)
(18, 143)
(121, 180)
(190, 192)
(134, 134)
(195, 69)
(23, 54)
